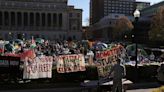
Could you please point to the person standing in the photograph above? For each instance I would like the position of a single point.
(119, 72)
(160, 75)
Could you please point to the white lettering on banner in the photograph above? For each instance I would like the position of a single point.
(70, 63)
(4, 63)
(39, 67)
(105, 59)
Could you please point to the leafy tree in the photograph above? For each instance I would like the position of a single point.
(157, 27)
(123, 25)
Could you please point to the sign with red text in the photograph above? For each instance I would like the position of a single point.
(105, 60)
(39, 67)
(70, 63)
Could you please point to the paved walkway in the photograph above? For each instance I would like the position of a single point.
(141, 90)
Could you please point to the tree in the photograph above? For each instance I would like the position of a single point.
(157, 27)
(122, 26)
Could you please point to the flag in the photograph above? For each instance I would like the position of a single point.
(33, 43)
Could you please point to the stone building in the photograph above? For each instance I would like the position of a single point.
(49, 19)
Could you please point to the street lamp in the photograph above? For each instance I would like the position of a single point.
(136, 16)
(134, 36)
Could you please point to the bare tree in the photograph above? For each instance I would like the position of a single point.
(157, 27)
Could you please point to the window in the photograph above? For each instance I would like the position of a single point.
(49, 19)
(54, 19)
(78, 14)
(25, 19)
(6, 15)
(70, 14)
(31, 19)
(1, 18)
(43, 19)
(37, 19)
(60, 20)
(19, 18)
(12, 18)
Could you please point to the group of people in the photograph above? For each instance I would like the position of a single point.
(56, 48)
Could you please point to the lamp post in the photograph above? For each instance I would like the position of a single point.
(136, 16)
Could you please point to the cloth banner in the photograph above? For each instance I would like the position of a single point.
(1, 47)
(105, 60)
(70, 63)
(39, 67)
(28, 53)
(103, 63)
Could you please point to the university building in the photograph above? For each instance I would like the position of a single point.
(105, 13)
(49, 19)
(102, 8)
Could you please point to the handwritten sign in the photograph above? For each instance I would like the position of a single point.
(70, 63)
(39, 67)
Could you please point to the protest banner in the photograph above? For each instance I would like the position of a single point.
(103, 63)
(9, 67)
(1, 48)
(70, 63)
(7, 61)
(105, 60)
(38, 67)
(25, 54)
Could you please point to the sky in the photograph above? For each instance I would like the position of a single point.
(84, 4)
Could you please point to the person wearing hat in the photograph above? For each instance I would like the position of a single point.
(118, 72)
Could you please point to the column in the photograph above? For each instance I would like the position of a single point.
(22, 19)
(35, 20)
(1, 22)
(40, 19)
(57, 20)
(46, 18)
(28, 21)
(52, 20)
(16, 19)
(9, 19)
(3, 19)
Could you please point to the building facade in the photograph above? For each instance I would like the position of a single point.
(102, 8)
(142, 5)
(49, 19)
(152, 10)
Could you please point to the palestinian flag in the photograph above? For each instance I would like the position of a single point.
(33, 43)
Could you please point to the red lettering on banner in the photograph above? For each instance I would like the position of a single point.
(33, 68)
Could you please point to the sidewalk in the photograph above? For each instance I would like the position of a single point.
(61, 86)
(38, 86)
(144, 85)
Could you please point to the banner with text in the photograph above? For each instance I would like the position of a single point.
(70, 63)
(39, 67)
(105, 60)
